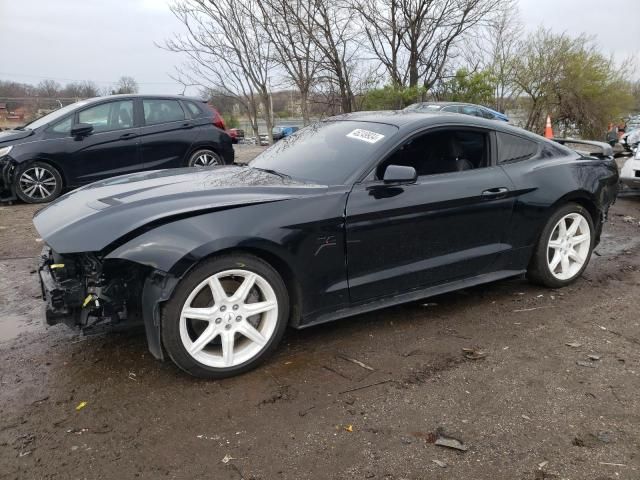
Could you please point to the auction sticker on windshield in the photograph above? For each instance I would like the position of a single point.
(365, 135)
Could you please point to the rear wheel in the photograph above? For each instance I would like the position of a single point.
(564, 248)
(38, 182)
(205, 158)
(225, 317)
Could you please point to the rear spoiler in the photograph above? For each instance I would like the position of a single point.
(586, 147)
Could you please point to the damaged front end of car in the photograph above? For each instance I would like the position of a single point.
(94, 295)
(83, 292)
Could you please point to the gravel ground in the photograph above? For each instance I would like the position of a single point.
(532, 408)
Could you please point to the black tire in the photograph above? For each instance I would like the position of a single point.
(539, 271)
(171, 336)
(205, 157)
(37, 182)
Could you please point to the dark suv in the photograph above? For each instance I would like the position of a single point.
(103, 137)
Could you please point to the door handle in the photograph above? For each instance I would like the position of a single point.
(126, 136)
(187, 125)
(497, 192)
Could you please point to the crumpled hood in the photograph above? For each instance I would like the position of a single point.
(93, 217)
(8, 136)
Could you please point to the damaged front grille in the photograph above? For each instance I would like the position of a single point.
(82, 291)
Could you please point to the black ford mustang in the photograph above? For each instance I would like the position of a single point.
(352, 214)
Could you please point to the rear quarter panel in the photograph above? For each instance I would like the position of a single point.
(543, 184)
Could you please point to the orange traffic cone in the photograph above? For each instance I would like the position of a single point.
(548, 130)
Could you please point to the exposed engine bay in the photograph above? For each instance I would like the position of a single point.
(84, 292)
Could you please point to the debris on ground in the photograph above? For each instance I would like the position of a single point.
(531, 309)
(582, 363)
(80, 406)
(440, 463)
(444, 440)
(573, 344)
(227, 458)
(473, 353)
(348, 428)
(357, 362)
(593, 358)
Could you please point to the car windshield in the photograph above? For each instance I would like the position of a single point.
(276, 130)
(327, 153)
(53, 116)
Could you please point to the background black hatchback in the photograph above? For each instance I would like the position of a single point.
(103, 137)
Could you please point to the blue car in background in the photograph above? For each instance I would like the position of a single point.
(458, 107)
(281, 132)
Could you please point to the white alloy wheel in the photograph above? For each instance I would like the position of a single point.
(569, 246)
(228, 318)
(38, 183)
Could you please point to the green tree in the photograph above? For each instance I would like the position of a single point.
(391, 98)
(569, 79)
(468, 87)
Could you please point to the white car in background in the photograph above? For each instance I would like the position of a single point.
(630, 172)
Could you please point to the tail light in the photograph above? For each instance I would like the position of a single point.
(218, 121)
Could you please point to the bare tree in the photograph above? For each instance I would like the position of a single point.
(503, 37)
(229, 52)
(289, 25)
(85, 89)
(126, 85)
(330, 24)
(414, 39)
(48, 88)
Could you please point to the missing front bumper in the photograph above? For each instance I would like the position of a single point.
(63, 297)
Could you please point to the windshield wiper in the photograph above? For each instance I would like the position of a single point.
(274, 172)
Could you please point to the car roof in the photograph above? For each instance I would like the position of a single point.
(413, 120)
(138, 95)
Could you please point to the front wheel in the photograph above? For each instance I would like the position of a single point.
(38, 182)
(225, 317)
(564, 247)
(205, 158)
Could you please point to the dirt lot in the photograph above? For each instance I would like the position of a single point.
(527, 410)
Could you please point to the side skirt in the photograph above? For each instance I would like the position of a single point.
(411, 296)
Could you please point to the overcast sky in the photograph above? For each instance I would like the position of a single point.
(71, 40)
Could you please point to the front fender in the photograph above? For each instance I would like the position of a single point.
(176, 247)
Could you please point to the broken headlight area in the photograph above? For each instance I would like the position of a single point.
(83, 291)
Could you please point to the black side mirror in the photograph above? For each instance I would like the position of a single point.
(400, 173)
(81, 129)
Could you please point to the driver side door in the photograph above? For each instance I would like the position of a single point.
(449, 224)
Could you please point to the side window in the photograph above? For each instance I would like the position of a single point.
(108, 116)
(452, 109)
(161, 111)
(193, 109)
(63, 126)
(512, 148)
(470, 110)
(443, 151)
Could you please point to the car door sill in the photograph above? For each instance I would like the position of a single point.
(411, 296)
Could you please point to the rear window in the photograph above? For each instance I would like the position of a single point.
(512, 148)
(194, 110)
